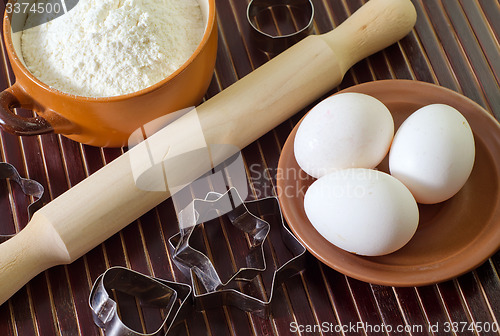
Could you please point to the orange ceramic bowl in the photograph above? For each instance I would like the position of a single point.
(105, 121)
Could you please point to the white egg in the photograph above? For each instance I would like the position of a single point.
(433, 153)
(363, 211)
(347, 130)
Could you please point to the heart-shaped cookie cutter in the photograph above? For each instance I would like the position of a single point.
(171, 296)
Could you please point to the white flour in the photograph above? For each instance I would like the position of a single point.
(105, 48)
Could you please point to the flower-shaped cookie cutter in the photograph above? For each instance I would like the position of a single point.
(29, 187)
(172, 296)
(230, 293)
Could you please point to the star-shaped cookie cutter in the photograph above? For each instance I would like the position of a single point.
(194, 263)
(172, 296)
(29, 187)
(229, 293)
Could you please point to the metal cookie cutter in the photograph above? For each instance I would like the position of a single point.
(212, 293)
(151, 291)
(274, 43)
(29, 187)
(195, 263)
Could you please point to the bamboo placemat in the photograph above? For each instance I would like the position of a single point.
(454, 44)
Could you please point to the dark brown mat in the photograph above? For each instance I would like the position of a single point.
(455, 44)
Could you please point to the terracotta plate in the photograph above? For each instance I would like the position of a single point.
(453, 237)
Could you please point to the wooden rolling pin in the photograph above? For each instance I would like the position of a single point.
(107, 201)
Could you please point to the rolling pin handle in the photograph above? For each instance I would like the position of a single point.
(373, 27)
(33, 250)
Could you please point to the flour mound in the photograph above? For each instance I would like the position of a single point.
(104, 48)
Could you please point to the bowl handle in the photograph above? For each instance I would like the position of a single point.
(15, 124)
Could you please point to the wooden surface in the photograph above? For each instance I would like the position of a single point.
(454, 44)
